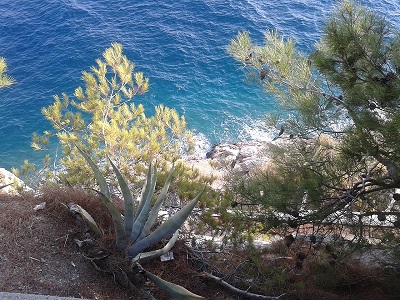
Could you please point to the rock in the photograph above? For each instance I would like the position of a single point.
(240, 157)
(40, 206)
(223, 152)
(13, 182)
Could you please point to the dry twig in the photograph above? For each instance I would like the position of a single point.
(239, 292)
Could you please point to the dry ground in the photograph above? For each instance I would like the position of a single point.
(38, 255)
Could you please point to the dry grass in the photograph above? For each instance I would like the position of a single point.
(38, 255)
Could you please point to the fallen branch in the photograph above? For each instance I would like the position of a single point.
(239, 292)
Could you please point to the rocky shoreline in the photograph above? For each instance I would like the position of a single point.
(240, 156)
(221, 159)
(225, 158)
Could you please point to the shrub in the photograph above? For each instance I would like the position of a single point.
(133, 229)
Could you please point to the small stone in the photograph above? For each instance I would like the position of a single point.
(40, 206)
(167, 256)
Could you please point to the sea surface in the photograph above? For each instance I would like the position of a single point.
(180, 45)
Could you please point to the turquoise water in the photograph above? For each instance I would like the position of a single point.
(179, 45)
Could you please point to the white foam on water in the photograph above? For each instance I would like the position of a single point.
(201, 146)
(258, 131)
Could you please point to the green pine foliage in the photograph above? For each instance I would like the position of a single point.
(103, 119)
(337, 156)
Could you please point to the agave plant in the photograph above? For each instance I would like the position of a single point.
(133, 229)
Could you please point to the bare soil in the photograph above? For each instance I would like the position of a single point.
(39, 255)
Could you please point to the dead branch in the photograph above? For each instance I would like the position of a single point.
(239, 292)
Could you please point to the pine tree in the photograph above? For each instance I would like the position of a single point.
(337, 157)
(102, 119)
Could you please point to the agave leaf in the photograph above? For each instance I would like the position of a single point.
(105, 197)
(128, 198)
(175, 291)
(165, 229)
(145, 256)
(121, 237)
(99, 177)
(144, 213)
(156, 208)
(86, 217)
(145, 190)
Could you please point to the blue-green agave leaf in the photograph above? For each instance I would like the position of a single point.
(144, 213)
(165, 229)
(128, 199)
(145, 256)
(99, 177)
(175, 291)
(156, 208)
(145, 191)
(105, 197)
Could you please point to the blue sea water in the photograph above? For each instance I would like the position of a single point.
(180, 45)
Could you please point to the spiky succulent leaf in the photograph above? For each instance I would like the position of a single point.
(156, 207)
(145, 256)
(145, 189)
(128, 199)
(144, 213)
(105, 197)
(99, 176)
(175, 291)
(85, 216)
(165, 229)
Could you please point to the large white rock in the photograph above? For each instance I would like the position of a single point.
(6, 177)
(241, 156)
(223, 159)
